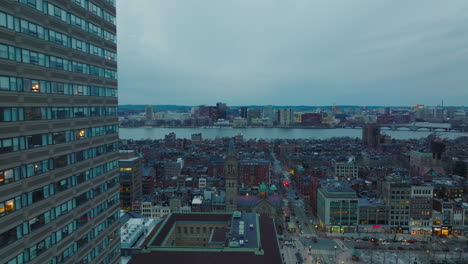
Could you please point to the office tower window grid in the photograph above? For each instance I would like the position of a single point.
(59, 179)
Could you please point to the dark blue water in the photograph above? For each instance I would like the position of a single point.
(271, 133)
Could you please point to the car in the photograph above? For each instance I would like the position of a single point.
(400, 248)
(308, 237)
(297, 198)
(314, 240)
(297, 221)
(306, 224)
(458, 250)
(410, 241)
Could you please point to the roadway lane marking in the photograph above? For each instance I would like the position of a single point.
(340, 244)
(321, 252)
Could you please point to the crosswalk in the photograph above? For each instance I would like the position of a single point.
(316, 252)
(340, 244)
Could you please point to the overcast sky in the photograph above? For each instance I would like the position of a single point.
(293, 52)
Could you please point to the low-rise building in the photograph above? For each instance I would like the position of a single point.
(337, 207)
(347, 169)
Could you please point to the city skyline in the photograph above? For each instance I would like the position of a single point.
(303, 53)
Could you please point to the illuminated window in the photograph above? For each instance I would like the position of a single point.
(35, 86)
(9, 206)
(81, 133)
(6, 176)
(125, 169)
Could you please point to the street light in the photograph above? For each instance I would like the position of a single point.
(335, 247)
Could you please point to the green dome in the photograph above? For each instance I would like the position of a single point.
(263, 187)
(273, 188)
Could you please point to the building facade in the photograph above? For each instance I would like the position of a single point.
(348, 169)
(59, 182)
(285, 117)
(232, 181)
(254, 172)
(397, 195)
(421, 209)
(337, 208)
(371, 135)
(149, 114)
(131, 187)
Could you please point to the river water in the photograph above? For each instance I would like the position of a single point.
(271, 133)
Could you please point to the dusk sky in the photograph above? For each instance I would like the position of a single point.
(294, 52)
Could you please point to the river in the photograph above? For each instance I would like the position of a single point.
(271, 133)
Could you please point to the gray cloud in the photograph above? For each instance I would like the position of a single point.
(292, 52)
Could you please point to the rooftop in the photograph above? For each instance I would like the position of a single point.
(261, 247)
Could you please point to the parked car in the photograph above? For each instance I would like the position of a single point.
(410, 241)
(314, 240)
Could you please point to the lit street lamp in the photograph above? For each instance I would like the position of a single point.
(335, 247)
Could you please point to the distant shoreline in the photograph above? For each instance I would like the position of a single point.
(216, 127)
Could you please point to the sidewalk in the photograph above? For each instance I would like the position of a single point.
(345, 258)
(390, 236)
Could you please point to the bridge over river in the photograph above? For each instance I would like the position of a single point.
(417, 126)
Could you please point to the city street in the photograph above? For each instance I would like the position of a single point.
(310, 245)
(304, 248)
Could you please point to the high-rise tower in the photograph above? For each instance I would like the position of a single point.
(59, 179)
(232, 179)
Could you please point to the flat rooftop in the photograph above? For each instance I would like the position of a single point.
(260, 244)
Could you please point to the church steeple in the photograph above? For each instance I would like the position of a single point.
(231, 177)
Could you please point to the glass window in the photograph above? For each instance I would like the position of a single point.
(8, 237)
(34, 141)
(4, 83)
(6, 176)
(3, 51)
(32, 113)
(60, 162)
(3, 19)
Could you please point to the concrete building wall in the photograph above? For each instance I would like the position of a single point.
(40, 171)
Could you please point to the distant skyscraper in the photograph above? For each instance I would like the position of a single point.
(221, 108)
(371, 135)
(269, 112)
(285, 116)
(253, 113)
(59, 179)
(149, 113)
(243, 112)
